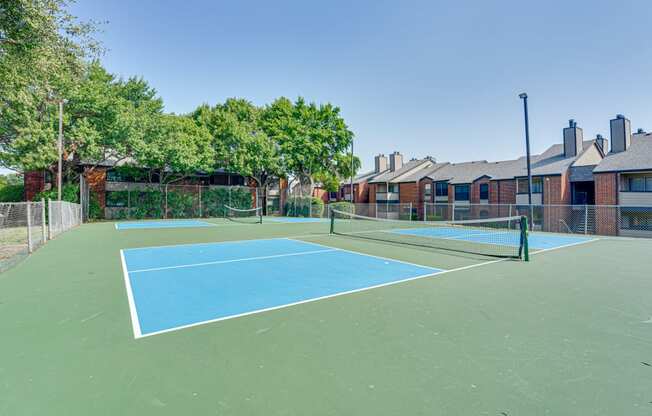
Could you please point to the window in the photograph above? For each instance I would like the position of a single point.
(537, 185)
(461, 192)
(332, 195)
(441, 189)
(639, 183)
(393, 187)
(381, 188)
(427, 190)
(484, 191)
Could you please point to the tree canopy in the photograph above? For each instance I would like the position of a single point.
(47, 56)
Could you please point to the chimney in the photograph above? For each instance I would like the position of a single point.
(395, 161)
(641, 131)
(573, 139)
(621, 133)
(380, 163)
(602, 143)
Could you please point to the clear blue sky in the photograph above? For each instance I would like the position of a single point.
(424, 78)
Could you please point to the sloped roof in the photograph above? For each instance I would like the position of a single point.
(407, 168)
(421, 173)
(364, 177)
(551, 162)
(637, 157)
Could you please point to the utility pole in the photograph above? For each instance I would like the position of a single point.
(60, 150)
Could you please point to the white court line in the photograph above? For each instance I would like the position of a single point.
(135, 322)
(577, 243)
(182, 266)
(231, 241)
(204, 224)
(367, 255)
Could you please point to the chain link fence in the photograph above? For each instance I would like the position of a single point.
(142, 201)
(608, 220)
(22, 230)
(63, 216)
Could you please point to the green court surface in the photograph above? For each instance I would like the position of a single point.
(569, 333)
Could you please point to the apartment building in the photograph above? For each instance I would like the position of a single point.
(624, 177)
(560, 175)
(400, 184)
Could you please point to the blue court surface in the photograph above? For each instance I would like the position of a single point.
(537, 241)
(162, 224)
(295, 219)
(175, 287)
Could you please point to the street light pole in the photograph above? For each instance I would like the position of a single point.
(60, 150)
(352, 194)
(523, 96)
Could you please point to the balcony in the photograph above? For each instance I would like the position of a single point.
(521, 199)
(387, 196)
(629, 198)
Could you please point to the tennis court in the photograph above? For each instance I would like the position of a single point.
(284, 319)
(141, 225)
(177, 287)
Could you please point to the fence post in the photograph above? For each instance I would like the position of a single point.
(165, 214)
(29, 227)
(410, 214)
(43, 226)
(200, 213)
(586, 219)
(453, 214)
(49, 219)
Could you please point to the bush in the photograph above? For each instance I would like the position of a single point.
(12, 193)
(95, 212)
(182, 204)
(213, 201)
(304, 207)
(343, 206)
(69, 193)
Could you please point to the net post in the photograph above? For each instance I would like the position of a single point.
(524, 238)
(332, 215)
(43, 226)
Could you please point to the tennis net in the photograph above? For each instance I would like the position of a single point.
(496, 237)
(249, 216)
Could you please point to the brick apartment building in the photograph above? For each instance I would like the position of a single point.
(573, 172)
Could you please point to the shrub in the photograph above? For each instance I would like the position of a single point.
(12, 193)
(95, 212)
(343, 206)
(69, 193)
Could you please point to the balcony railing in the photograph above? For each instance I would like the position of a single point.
(387, 196)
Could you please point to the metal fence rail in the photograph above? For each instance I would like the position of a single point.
(608, 220)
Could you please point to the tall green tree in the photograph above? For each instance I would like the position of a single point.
(312, 138)
(43, 50)
(174, 147)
